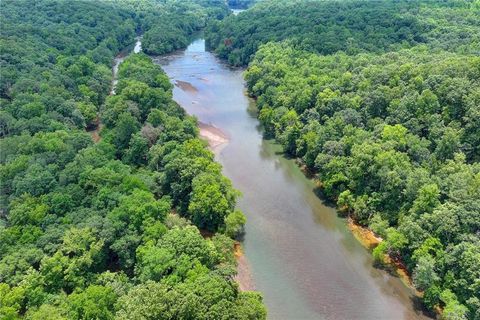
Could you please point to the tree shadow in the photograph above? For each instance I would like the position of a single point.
(318, 191)
(419, 307)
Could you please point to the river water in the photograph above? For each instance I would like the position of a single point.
(136, 48)
(300, 254)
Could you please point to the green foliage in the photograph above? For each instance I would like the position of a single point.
(86, 225)
(380, 100)
(96, 302)
(234, 223)
(61, 80)
(378, 225)
(88, 111)
(326, 27)
(74, 262)
(212, 198)
(379, 252)
(207, 297)
(140, 207)
(47, 311)
(177, 22)
(424, 275)
(11, 300)
(453, 310)
(376, 152)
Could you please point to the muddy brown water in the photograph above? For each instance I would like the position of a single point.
(298, 251)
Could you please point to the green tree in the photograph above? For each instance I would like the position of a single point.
(235, 223)
(126, 126)
(11, 301)
(424, 274)
(96, 302)
(47, 311)
(74, 262)
(211, 201)
(153, 263)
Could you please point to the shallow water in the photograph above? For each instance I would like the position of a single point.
(137, 47)
(300, 254)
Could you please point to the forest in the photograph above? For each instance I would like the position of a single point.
(350, 26)
(113, 228)
(382, 101)
(240, 4)
(113, 207)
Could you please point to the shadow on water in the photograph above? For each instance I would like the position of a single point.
(303, 258)
(417, 305)
(318, 191)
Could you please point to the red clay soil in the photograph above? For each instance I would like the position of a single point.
(364, 235)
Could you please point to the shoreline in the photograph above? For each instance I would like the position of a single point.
(215, 137)
(217, 140)
(369, 240)
(243, 277)
(365, 236)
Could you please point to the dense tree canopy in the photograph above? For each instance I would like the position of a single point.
(109, 229)
(55, 59)
(381, 99)
(169, 25)
(351, 26)
(240, 4)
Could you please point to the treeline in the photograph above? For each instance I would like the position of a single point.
(393, 133)
(394, 139)
(55, 58)
(326, 27)
(69, 52)
(109, 229)
(169, 25)
(240, 4)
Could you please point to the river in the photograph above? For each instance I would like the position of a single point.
(298, 252)
(119, 58)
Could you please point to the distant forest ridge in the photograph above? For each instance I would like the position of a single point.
(327, 27)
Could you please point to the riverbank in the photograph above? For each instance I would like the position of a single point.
(369, 240)
(215, 137)
(364, 235)
(244, 276)
(300, 253)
